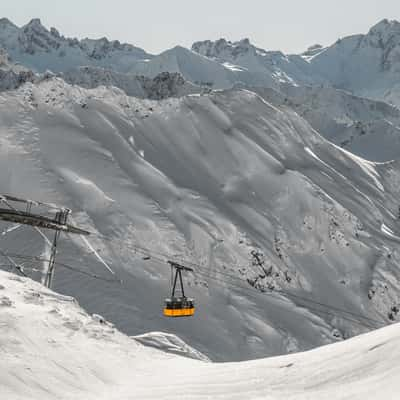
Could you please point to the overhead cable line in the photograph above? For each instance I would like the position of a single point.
(318, 306)
(63, 265)
(165, 257)
(266, 290)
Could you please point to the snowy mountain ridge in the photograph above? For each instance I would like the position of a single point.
(40, 49)
(243, 55)
(366, 127)
(367, 65)
(195, 68)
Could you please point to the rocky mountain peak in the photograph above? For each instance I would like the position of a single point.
(35, 23)
(224, 49)
(245, 42)
(385, 26)
(99, 49)
(4, 22)
(383, 33)
(385, 36)
(34, 37)
(54, 32)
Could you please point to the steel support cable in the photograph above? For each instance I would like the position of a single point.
(15, 265)
(276, 296)
(271, 292)
(152, 252)
(279, 291)
(63, 265)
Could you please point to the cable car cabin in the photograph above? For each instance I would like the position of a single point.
(178, 306)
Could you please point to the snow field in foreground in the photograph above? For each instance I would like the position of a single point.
(51, 349)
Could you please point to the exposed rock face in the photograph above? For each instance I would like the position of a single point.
(12, 76)
(167, 85)
(226, 49)
(160, 87)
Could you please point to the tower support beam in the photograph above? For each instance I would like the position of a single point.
(61, 218)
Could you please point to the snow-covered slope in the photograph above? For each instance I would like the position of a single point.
(170, 344)
(51, 349)
(41, 49)
(192, 66)
(208, 178)
(368, 65)
(368, 128)
(223, 64)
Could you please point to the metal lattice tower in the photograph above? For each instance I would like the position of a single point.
(59, 223)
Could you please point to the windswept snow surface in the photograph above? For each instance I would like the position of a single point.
(209, 179)
(169, 343)
(51, 349)
(366, 127)
(192, 66)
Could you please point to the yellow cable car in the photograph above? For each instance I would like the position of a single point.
(178, 306)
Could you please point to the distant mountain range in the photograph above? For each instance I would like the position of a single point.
(366, 65)
(41, 49)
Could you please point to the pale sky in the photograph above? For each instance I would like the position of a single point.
(156, 25)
